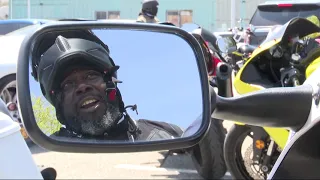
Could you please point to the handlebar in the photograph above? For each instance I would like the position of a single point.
(223, 80)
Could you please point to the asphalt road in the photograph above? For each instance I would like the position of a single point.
(145, 165)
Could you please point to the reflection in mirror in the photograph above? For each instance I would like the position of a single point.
(138, 86)
(225, 44)
(222, 45)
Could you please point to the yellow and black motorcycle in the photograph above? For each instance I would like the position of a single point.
(286, 58)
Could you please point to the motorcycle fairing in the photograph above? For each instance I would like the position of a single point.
(296, 26)
(302, 160)
(312, 67)
(280, 134)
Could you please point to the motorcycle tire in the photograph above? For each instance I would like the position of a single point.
(232, 149)
(207, 155)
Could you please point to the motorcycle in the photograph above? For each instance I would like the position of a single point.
(207, 156)
(243, 50)
(303, 120)
(285, 59)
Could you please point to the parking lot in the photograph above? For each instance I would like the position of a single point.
(144, 165)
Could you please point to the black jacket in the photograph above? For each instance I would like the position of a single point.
(147, 131)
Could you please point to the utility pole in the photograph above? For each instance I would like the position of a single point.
(233, 13)
(11, 4)
(243, 13)
(29, 11)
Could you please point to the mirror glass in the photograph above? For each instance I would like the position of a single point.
(226, 43)
(155, 94)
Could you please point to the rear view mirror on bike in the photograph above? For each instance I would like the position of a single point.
(104, 85)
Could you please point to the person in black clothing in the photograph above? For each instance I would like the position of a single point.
(79, 78)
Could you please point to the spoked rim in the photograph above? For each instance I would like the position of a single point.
(9, 95)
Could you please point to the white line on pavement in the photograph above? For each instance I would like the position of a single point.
(153, 168)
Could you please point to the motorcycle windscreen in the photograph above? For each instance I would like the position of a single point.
(296, 26)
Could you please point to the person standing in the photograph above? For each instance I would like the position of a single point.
(149, 12)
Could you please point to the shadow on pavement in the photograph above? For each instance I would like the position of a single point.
(164, 154)
(178, 161)
(182, 167)
(35, 149)
(178, 176)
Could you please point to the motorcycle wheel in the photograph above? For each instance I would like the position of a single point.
(207, 156)
(8, 93)
(232, 153)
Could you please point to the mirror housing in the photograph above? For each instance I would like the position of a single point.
(30, 44)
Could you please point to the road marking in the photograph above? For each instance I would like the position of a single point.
(153, 168)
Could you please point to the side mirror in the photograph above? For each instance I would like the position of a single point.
(225, 44)
(79, 97)
(221, 44)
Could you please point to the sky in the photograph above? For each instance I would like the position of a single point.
(159, 73)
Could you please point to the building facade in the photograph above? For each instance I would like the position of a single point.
(211, 14)
(4, 9)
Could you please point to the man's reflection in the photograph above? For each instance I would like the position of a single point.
(78, 77)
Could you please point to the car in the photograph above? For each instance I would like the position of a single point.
(10, 25)
(9, 49)
(230, 34)
(272, 13)
(8, 68)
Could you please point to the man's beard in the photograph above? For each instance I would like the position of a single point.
(94, 124)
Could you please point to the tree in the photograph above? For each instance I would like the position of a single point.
(45, 116)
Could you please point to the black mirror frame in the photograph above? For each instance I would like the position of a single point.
(24, 98)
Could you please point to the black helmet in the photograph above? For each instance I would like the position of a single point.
(62, 57)
(65, 52)
(50, 38)
(150, 7)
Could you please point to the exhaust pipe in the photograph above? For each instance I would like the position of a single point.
(223, 80)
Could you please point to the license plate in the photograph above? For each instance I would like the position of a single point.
(24, 133)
